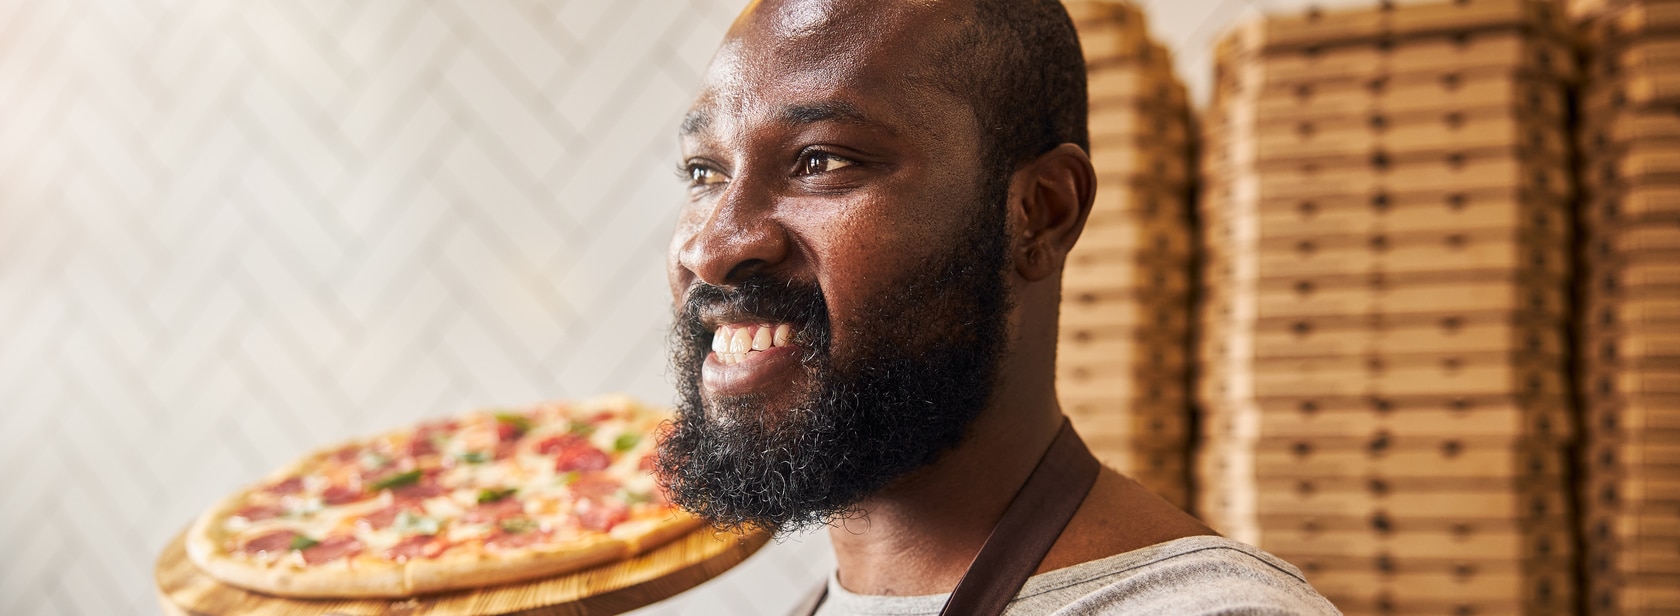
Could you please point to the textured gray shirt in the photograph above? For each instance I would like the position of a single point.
(1193, 575)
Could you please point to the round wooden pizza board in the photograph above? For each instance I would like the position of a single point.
(612, 588)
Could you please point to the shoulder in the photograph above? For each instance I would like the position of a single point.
(1193, 575)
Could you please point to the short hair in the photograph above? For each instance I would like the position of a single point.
(1018, 65)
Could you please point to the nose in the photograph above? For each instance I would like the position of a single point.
(737, 238)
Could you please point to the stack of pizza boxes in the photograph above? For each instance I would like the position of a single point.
(1382, 364)
(1123, 356)
(1629, 141)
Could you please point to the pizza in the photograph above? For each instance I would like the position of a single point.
(486, 498)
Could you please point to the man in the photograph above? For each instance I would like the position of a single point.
(867, 275)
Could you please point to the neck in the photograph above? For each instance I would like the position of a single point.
(918, 536)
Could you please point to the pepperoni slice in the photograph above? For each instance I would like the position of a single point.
(495, 512)
(556, 444)
(418, 546)
(292, 485)
(341, 495)
(594, 485)
(421, 446)
(581, 458)
(384, 518)
(601, 514)
(272, 542)
(257, 513)
(332, 549)
(426, 487)
(504, 540)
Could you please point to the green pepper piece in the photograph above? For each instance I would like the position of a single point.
(491, 495)
(396, 481)
(626, 442)
(302, 542)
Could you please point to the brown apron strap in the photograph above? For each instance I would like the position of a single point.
(1030, 525)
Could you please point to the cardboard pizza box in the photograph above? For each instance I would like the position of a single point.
(1657, 595)
(1634, 451)
(1399, 97)
(1660, 125)
(1470, 378)
(1136, 122)
(1401, 253)
(1429, 462)
(1157, 241)
(1165, 280)
(1463, 212)
(1439, 54)
(1633, 349)
(1469, 294)
(1635, 280)
(1448, 173)
(1613, 207)
(1631, 92)
(1636, 54)
(1626, 314)
(1155, 390)
(1317, 27)
(1610, 492)
(1141, 319)
(1614, 382)
(1092, 354)
(1631, 19)
(1634, 243)
(1131, 84)
(1160, 424)
(1478, 504)
(1618, 415)
(1477, 543)
(1119, 34)
(1536, 422)
(1647, 555)
(1362, 137)
(1623, 527)
(1126, 159)
(1636, 163)
(1450, 335)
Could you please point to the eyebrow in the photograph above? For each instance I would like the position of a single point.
(826, 111)
(698, 121)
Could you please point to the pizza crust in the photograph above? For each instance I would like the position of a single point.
(208, 546)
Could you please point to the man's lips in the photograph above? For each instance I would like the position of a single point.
(750, 357)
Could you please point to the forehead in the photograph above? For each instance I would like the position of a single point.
(851, 61)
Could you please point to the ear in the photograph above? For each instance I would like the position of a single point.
(1053, 196)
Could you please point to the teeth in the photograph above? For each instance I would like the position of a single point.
(732, 343)
(720, 339)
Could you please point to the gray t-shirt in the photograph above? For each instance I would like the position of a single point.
(1193, 575)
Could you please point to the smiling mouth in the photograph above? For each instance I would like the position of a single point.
(736, 343)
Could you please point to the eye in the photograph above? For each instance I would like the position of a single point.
(813, 163)
(702, 175)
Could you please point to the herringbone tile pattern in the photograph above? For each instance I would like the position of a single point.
(231, 231)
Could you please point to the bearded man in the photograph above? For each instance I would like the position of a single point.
(867, 272)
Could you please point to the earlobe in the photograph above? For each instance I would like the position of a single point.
(1057, 191)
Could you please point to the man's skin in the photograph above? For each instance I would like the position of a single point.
(821, 151)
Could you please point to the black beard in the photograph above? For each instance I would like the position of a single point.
(922, 365)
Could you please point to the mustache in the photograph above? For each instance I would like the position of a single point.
(760, 298)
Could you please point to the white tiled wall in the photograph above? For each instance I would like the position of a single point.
(234, 230)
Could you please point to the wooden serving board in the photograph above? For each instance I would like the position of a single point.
(613, 588)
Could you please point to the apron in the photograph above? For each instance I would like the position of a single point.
(1030, 525)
